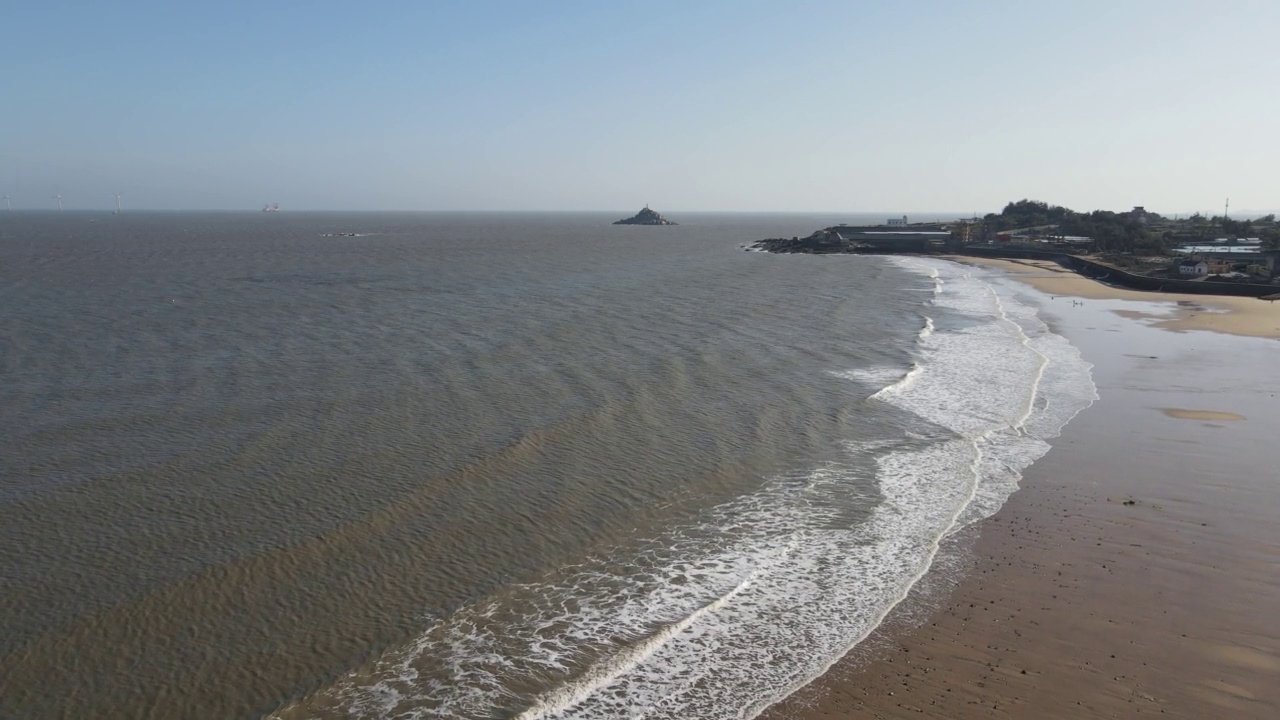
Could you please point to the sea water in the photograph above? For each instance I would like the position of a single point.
(485, 466)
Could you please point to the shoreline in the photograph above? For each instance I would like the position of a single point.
(1134, 568)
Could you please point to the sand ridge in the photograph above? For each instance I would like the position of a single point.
(1208, 415)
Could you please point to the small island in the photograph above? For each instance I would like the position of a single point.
(645, 217)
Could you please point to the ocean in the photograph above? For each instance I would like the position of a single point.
(483, 465)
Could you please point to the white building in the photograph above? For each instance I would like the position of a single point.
(895, 222)
(1193, 267)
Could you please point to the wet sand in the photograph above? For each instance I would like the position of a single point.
(1210, 415)
(1135, 572)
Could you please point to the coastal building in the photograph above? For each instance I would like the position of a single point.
(895, 226)
(1072, 241)
(1225, 252)
(895, 222)
(1193, 268)
(1225, 258)
(893, 240)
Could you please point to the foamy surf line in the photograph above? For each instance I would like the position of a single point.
(567, 696)
(1017, 342)
(729, 615)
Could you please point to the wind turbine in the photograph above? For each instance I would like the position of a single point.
(7, 206)
(58, 197)
(117, 203)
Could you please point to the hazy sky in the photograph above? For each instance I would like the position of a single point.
(795, 105)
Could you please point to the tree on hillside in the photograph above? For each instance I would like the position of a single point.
(1113, 232)
(1030, 213)
(1270, 237)
(1234, 228)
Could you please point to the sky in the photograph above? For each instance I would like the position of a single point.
(685, 106)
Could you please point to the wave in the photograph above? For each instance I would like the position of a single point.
(901, 384)
(888, 379)
(1005, 380)
(723, 617)
(567, 696)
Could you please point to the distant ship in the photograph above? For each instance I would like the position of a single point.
(273, 207)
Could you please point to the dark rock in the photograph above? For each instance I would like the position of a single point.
(645, 217)
(820, 242)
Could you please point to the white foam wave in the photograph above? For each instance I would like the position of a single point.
(886, 379)
(902, 383)
(726, 616)
(1004, 380)
(566, 696)
(927, 330)
(874, 376)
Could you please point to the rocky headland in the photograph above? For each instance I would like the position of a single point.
(820, 242)
(645, 217)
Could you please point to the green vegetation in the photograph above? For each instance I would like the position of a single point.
(1125, 232)
(1268, 230)
(1026, 213)
(1112, 232)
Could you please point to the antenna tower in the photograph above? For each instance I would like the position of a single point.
(1226, 209)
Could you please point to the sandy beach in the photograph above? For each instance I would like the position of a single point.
(1217, 313)
(1135, 571)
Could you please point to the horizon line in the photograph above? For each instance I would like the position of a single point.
(1243, 213)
